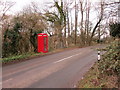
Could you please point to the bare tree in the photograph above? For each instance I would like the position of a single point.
(87, 29)
(58, 19)
(76, 21)
(81, 22)
(68, 25)
(4, 8)
(100, 17)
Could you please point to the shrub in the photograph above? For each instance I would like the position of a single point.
(110, 64)
(115, 30)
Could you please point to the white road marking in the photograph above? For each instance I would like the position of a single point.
(67, 58)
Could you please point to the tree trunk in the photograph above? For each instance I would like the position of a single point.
(87, 23)
(94, 29)
(68, 24)
(81, 29)
(76, 18)
(100, 19)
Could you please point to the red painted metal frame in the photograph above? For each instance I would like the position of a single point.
(42, 39)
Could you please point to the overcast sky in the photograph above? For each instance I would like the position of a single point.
(20, 4)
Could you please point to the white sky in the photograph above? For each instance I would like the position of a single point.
(22, 3)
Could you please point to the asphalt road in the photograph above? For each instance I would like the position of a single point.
(60, 70)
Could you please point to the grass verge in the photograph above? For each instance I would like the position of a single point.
(27, 56)
(106, 72)
(92, 79)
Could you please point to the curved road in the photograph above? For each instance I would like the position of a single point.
(60, 70)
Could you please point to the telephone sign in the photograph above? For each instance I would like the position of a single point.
(42, 42)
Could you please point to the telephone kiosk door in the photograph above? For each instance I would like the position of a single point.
(42, 42)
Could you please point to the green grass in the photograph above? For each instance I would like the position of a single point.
(16, 57)
(21, 57)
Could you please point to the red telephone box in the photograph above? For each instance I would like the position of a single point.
(42, 42)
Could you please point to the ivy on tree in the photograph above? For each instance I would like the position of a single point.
(115, 30)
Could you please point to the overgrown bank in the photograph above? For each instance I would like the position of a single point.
(106, 72)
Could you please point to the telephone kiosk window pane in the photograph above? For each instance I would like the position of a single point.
(45, 44)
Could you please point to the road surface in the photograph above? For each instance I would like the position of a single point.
(60, 70)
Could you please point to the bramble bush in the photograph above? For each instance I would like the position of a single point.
(110, 63)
